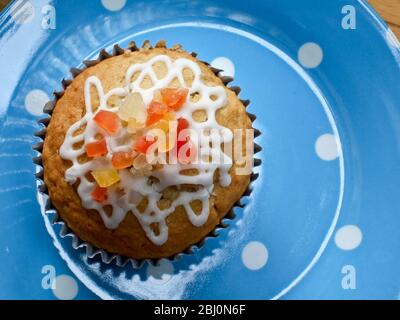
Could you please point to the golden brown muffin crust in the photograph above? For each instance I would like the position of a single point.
(129, 238)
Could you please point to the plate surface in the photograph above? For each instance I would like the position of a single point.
(323, 218)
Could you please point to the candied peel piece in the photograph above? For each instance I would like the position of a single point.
(140, 162)
(99, 194)
(133, 126)
(143, 143)
(155, 112)
(122, 160)
(105, 177)
(166, 145)
(108, 121)
(186, 151)
(133, 107)
(169, 116)
(174, 98)
(182, 125)
(96, 149)
(162, 125)
(140, 166)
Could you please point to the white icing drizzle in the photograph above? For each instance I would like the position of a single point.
(137, 187)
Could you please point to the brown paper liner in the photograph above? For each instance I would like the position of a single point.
(90, 250)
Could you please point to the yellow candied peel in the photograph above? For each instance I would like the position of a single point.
(105, 177)
(133, 107)
(133, 126)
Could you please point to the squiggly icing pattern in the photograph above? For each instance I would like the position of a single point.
(137, 187)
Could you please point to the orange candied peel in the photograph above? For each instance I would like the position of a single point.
(108, 121)
(96, 149)
(142, 144)
(155, 112)
(174, 98)
(99, 194)
(122, 160)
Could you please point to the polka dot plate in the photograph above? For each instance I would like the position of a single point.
(323, 78)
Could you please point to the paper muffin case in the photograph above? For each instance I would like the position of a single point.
(90, 250)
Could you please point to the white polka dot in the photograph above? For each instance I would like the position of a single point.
(310, 55)
(22, 11)
(161, 273)
(224, 64)
(348, 237)
(113, 5)
(327, 147)
(254, 255)
(391, 39)
(35, 101)
(66, 287)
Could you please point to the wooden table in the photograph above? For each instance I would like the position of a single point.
(388, 9)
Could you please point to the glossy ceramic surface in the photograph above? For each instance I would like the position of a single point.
(323, 218)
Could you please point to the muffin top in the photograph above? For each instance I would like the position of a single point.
(139, 156)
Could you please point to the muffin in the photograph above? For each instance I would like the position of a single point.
(147, 151)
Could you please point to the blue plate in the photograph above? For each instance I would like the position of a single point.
(323, 218)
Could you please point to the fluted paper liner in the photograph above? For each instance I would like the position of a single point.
(50, 210)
